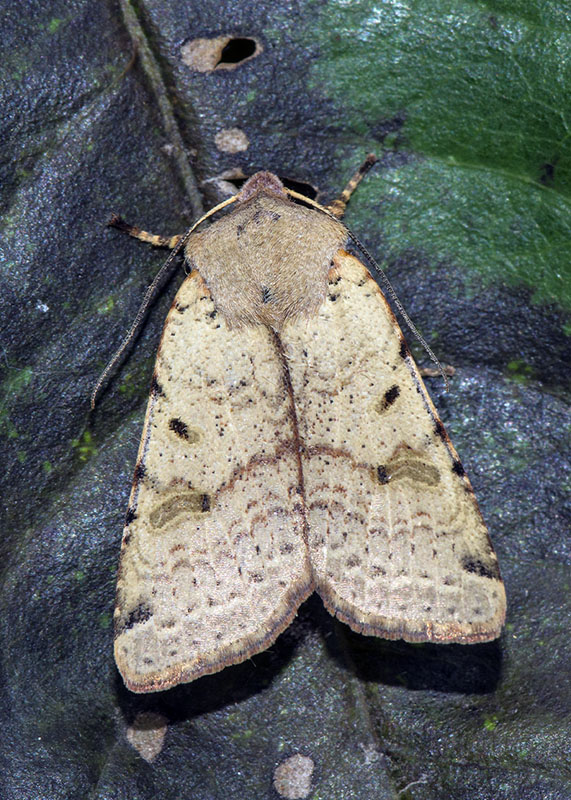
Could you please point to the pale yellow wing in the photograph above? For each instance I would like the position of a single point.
(397, 542)
(214, 557)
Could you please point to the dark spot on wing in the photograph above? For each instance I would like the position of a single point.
(390, 396)
(184, 503)
(476, 566)
(179, 427)
(140, 471)
(139, 614)
(382, 475)
(156, 388)
(457, 468)
(130, 516)
(407, 464)
(403, 350)
(440, 430)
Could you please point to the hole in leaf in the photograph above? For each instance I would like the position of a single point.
(221, 52)
(306, 189)
(237, 50)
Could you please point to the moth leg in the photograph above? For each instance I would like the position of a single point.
(174, 243)
(338, 206)
(151, 238)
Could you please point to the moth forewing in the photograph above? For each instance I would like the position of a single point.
(290, 446)
(398, 546)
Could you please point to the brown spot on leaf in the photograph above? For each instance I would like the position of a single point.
(231, 140)
(147, 734)
(292, 778)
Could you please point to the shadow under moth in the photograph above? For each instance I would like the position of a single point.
(290, 446)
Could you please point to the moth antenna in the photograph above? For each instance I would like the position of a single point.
(160, 278)
(338, 207)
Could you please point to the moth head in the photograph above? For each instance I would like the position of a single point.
(261, 183)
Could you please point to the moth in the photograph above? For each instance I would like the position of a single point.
(290, 447)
